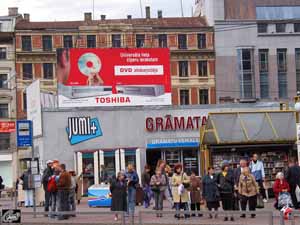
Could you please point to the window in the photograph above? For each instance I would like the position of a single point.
(48, 71)
(201, 41)
(2, 53)
(203, 96)
(68, 41)
(202, 67)
(116, 40)
(91, 41)
(140, 40)
(24, 101)
(297, 54)
(26, 43)
(162, 40)
(47, 43)
(183, 69)
(184, 97)
(280, 27)
(4, 110)
(3, 81)
(27, 71)
(4, 141)
(182, 41)
(262, 28)
(263, 71)
(282, 73)
(297, 27)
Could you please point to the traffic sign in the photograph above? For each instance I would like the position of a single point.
(24, 133)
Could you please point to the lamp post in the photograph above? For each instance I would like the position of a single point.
(297, 111)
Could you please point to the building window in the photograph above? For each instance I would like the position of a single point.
(26, 43)
(4, 141)
(68, 41)
(24, 101)
(162, 40)
(91, 41)
(183, 69)
(140, 40)
(202, 68)
(246, 74)
(201, 41)
(2, 53)
(184, 97)
(203, 96)
(116, 40)
(264, 72)
(297, 27)
(262, 28)
(280, 27)
(27, 71)
(47, 43)
(182, 41)
(48, 71)
(297, 55)
(3, 110)
(3, 81)
(282, 72)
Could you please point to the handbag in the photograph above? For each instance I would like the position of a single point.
(155, 188)
(260, 203)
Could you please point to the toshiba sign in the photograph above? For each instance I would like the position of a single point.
(174, 123)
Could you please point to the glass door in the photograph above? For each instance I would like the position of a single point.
(173, 157)
(109, 164)
(88, 170)
(190, 161)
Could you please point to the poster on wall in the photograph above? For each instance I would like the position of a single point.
(113, 77)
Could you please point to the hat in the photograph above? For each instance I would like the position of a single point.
(49, 161)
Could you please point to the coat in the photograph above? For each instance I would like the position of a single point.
(226, 184)
(195, 190)
(293, 176)
(162, 180)
(79, 185)
(248, 186)
(48, 172)
(210, 189)
(146, 179)
(176, 180)
(278, 187)
(119, 196)
(64, 181)
(27, 179)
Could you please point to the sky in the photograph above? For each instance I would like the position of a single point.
(50, 10)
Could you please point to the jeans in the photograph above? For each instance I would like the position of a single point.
(28, 197)
(72, 199)
(158, 198)
(63, 203)
(180, 205)
(47, 200)
(147, 196)
(131, 200)
(53, 204)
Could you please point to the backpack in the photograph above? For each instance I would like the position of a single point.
(52, 187)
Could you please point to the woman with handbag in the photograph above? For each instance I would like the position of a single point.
(158, 185)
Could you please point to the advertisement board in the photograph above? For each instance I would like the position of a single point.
(113, 77)
(7, 126)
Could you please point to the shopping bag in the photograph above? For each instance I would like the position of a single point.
(260, 202)
(297, 193)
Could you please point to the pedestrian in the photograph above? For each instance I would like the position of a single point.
(48, 172)
(225, 181)
(195, 194)
(280, 186)
(103, 175)
(52, 189)
(118, 190)
(168, 192)
(72, 194)
(79, 185)
(27, 179)
(158, 185)
(257, 169)
(248, 190)
(146, 178)
(211, 192)
(293, 178)
(1, 185)
(180, 184)
(63, 186)
(238, 171)
(132, 182)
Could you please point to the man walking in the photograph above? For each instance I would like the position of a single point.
(48, 172)
(293, 178)
(63, 187)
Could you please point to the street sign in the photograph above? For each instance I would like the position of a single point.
(24, 133)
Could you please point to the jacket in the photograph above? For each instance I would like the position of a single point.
(48, 172)
(162, 180)
(226, 184)
(248, 186)
(64, 181)
(27, 179)
(210, 189)
(278, 187)
(176, 180)
(257, 170)
(195, 190)
(133, 177)
(119, 196)
(146, 179)
(293, 176)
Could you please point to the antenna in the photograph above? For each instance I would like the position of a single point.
(181, 4)
(141, 7)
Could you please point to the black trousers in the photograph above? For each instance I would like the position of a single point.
(194, 207)
(47, 200)
(262, 190)
(227, 201)
(293, 196)
(248, 200)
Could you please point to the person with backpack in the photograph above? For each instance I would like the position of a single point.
(48, 172)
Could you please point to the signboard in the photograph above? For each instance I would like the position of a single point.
(7, 126)
(113, 77)
(24, 133)
(173, 143)
(11, 216)
(34, 111)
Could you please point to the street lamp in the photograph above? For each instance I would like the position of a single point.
(297, 110)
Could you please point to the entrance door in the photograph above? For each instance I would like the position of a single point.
(152, 157)
(173, 157)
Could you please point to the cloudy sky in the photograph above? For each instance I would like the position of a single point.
(41, 10)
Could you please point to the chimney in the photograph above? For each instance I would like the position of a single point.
(148, 14)
(13, 11)
(27, 17)
(103, 17)
(129, 17)
(87, 17)
(159, 14)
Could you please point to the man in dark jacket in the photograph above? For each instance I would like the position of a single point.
(48, 172)
(27, 179)
(293, 178)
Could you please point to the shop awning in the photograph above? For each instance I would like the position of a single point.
(249, 128)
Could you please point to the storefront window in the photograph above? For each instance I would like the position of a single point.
(190, 161)
(172, 157)
(130, 157)
(88, 170)
(110, 163)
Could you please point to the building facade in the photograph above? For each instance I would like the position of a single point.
(257, 49)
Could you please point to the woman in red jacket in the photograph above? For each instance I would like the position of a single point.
(280, 186)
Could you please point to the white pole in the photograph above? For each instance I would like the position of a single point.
(141, 7)
(181, 4)
(93, 9)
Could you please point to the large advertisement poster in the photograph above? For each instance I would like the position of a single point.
(113, 77)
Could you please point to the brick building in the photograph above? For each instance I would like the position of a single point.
(190, 40)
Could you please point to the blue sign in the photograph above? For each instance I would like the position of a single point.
(173, 143)
(81, 129)
(24, 133)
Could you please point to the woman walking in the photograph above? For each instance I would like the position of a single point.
(195, 193)
(248, 190)
(158, 185)
(118, 189)
(211, 192)
(146, 177)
